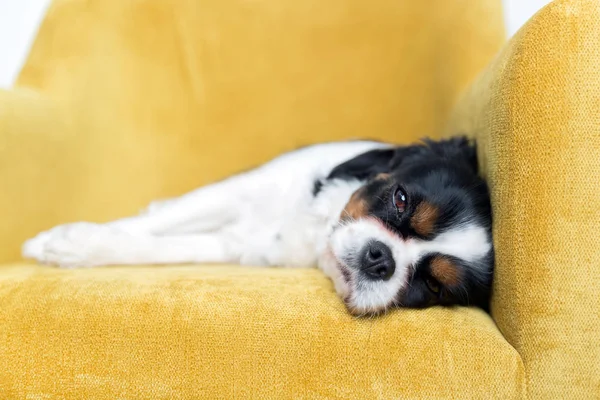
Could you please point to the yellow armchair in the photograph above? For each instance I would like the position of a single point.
(122, 102)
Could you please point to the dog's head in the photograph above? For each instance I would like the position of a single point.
(418, 233)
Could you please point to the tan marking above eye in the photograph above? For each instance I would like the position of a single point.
(355, 208)
(382, 176)
(445, 271)
(424, 218)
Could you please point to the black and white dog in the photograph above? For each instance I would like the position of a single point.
(391, 226)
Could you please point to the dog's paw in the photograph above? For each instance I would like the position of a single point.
(34, 247)
(73, 245)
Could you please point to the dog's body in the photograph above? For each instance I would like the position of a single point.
(349, 207)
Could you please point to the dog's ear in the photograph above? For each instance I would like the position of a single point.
(364, 166)
(368, 165)
(405, 154)
(457, 149)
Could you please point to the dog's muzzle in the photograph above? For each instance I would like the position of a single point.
(375, 261)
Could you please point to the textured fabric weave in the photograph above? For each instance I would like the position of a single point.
(536, 112)
(233, 333)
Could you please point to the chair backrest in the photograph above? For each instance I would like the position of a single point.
(164, 96)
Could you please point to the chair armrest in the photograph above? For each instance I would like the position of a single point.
(37, 161)
(536, 113)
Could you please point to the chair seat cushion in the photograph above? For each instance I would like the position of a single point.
(186, 332)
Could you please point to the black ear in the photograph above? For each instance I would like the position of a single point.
(459, 149)
(364, 166)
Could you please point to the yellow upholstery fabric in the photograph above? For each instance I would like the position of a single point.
(536, 112)
(219, 332)
(153, 98)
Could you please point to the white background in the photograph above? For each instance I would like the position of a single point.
(19, 20)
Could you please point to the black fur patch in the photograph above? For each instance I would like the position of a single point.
(367, 165)
(364, 166)
(459, 150)
(473, 290)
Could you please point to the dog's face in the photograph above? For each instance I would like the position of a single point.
(418, 235)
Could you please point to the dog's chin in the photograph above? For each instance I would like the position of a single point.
(361, 313)
(364, 311)
(349, 292)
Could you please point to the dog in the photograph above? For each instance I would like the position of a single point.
(392, 226)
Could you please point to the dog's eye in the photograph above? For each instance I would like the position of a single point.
(400, 200)
(432, 285)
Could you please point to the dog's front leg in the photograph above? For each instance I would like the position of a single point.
(202, 210)
(89, 245)
(191, 215)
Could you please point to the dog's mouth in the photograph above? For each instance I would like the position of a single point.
(344, 271)
(349, 297)
(346, 277)
(367, 265)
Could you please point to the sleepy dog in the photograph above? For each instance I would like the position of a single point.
(406, 226)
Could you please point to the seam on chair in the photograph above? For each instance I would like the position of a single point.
(525, 381)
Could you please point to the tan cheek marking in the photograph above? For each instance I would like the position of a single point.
(424, 218)
(445, 271)
(355, 208)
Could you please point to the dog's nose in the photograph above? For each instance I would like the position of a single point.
(376, 261)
